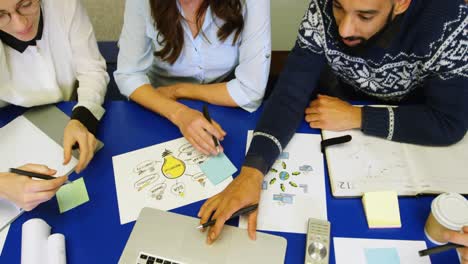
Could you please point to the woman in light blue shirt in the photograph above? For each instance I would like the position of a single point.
(189, 49)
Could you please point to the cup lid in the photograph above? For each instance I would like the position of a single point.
(450, 210)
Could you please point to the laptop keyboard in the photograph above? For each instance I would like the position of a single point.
(145, 258)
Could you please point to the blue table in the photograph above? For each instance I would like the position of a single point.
(93, 231)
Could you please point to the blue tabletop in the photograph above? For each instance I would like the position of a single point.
(93, 232)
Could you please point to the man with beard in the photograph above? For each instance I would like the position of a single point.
(408, 53)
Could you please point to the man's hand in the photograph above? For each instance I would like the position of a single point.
(243, 191)
(331, 113)
(75, 132)
(26, 192)
(198, 131)
(461, 239)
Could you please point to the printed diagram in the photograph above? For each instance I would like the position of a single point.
(284, 180)
(169, 172)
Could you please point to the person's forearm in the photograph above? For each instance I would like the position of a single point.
(216, 93)
(415, 124)
(284, 111)
(148, 97)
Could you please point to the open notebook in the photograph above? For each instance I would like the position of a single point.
(373, 164)
(35, 137)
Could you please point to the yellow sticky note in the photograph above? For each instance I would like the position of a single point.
(382, 209)
(72, 195)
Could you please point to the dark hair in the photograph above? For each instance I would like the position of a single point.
(167, 20)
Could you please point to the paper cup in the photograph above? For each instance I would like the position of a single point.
(449, 211)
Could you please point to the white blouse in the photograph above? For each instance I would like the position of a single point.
(47, 73)
(204, 59)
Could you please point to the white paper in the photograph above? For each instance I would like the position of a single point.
(8, 212)
(22, 143)
(288, 208)
(369, 163)
(3, 235)
(352, 250)
(144, 178)
(38, 246)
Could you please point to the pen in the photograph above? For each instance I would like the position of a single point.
(206, 114)
(34, 174)
(438, 249)
(334, 141)
(242, 211)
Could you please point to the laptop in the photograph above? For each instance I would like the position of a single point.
(161, 237)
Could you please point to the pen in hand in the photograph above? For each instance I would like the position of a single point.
(34, 175)
(206, 114)
(245, 210)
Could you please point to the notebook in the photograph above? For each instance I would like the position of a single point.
(367, 164)
(35, 137)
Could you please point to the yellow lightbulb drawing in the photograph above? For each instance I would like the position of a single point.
(172, 167)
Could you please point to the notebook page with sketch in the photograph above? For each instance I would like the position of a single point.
(369, 163)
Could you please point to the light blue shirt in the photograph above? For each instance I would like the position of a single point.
(204, 59)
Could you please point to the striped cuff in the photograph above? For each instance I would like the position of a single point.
(272, 138)
(391, 123)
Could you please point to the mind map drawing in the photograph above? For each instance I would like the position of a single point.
(164, 176)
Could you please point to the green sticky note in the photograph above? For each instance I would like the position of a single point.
(218, 168)
(72, 195)
(382, 256)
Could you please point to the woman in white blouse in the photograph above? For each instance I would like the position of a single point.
(190, 49)
(46, 48)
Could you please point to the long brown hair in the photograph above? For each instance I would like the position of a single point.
(167, 19)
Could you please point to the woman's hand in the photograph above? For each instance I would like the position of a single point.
(76, 132)
(198, 131)
(28, 193)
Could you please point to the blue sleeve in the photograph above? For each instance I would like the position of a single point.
(442, 120)
(284, 111)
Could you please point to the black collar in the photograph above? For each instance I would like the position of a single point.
(19, 45)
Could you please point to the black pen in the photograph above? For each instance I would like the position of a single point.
(34, 175)
(242, 211)
(206, 114)
(438, 249)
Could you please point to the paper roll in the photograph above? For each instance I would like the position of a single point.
(34, 241)
(38, 246)
(56, 253)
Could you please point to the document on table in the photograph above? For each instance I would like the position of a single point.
(3, 235)
(378, 251)
(163, 176)
(8, 213)
(369, 164)
(22, 143)
(294, 189)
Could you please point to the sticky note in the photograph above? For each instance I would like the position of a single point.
(382, 209)
(72, 195)
(218, 168)
(382, 256)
